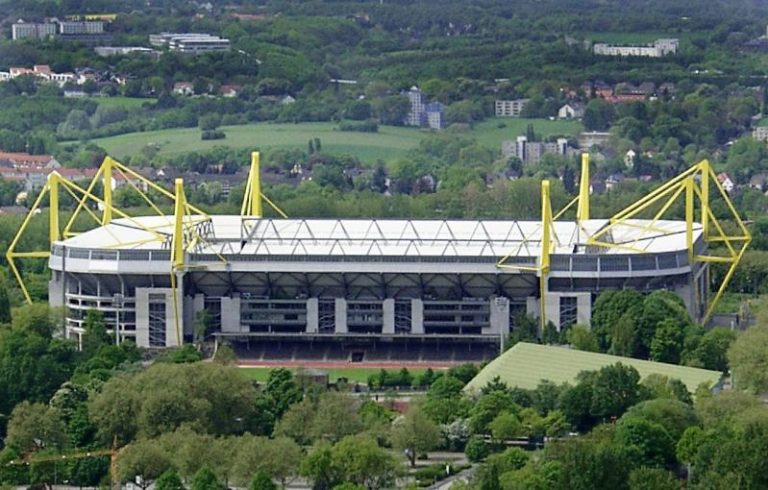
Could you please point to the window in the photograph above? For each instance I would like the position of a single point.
(568, 311)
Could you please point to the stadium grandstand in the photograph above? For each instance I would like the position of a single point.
(369, 289)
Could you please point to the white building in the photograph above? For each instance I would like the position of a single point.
(760, 133)
(659, 48)
(32, 30)
(417, 112)
(81, 27)
(573, 110)
(510, 108)
(190, 43)
(531, 152)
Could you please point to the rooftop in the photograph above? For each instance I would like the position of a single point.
(526, 365)
(385, 237)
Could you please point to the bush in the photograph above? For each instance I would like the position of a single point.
(367, 126)
(430, 474)
(213, 135)
(477, 449)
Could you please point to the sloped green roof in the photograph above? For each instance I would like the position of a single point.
(525, 365)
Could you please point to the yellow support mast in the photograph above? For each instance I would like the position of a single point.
(107, 183)
(546, 245)
(582, 212)
(252, 198)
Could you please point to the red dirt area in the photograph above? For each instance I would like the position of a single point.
(347, 364)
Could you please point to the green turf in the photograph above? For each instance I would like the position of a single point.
(359, 375)
(489, 134)
(526, 365)
(125, 102)
(389, 143)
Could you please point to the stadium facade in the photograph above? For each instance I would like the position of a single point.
(444, 282)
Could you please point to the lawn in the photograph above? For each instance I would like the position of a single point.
(359, 375)
(388, 144)
(125, 102)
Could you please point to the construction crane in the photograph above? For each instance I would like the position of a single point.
(112, 453)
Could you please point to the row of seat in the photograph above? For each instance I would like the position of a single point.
(275, 350)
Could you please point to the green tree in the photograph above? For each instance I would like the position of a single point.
(652, 479)
(748, 358)
(581, 338)
(319, 468)
(598, 115)
(5, 301)
(505, 426)
(144, 459)
(649, 440)
(95, 332)
(415, 433)
(34, 427)
(262, 481)
(169, 481)
(667, 343)
(205, 479)
(614, 389)
(360, 460)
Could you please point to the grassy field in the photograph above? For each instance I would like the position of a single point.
(359, 375)
(388, 144)
(125, 102)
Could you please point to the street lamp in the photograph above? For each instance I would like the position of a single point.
(117, 303)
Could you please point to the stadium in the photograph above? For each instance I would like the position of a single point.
(370, 289)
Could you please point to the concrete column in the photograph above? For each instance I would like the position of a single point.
(313, 316)
(174, 338)
(499, 317)
(552, 309)
(341, 315)
(417, 316)
(584, 312)
(142, 317)
(532, 306)
(230, 314)
(388, 311)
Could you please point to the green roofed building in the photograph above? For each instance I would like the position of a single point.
(526, 365)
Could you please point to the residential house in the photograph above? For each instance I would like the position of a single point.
(572, 110)
(726, 182)
(613, 181)
(589, 139)
(229, 91)
(510, 108)
(759, 182)
(183, 88)
(760, 133)
(531, 152)
(25, 160)
(629, 158)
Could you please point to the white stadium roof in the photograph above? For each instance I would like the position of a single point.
(385, 237)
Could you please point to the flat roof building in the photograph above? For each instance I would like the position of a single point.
(190, 43)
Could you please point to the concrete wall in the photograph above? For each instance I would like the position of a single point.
(388, 316)
(230, 314)
(417, 316)
(313, 322)
(341, 315)
(499, 317)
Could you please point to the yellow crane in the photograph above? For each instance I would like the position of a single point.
(112, 453)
